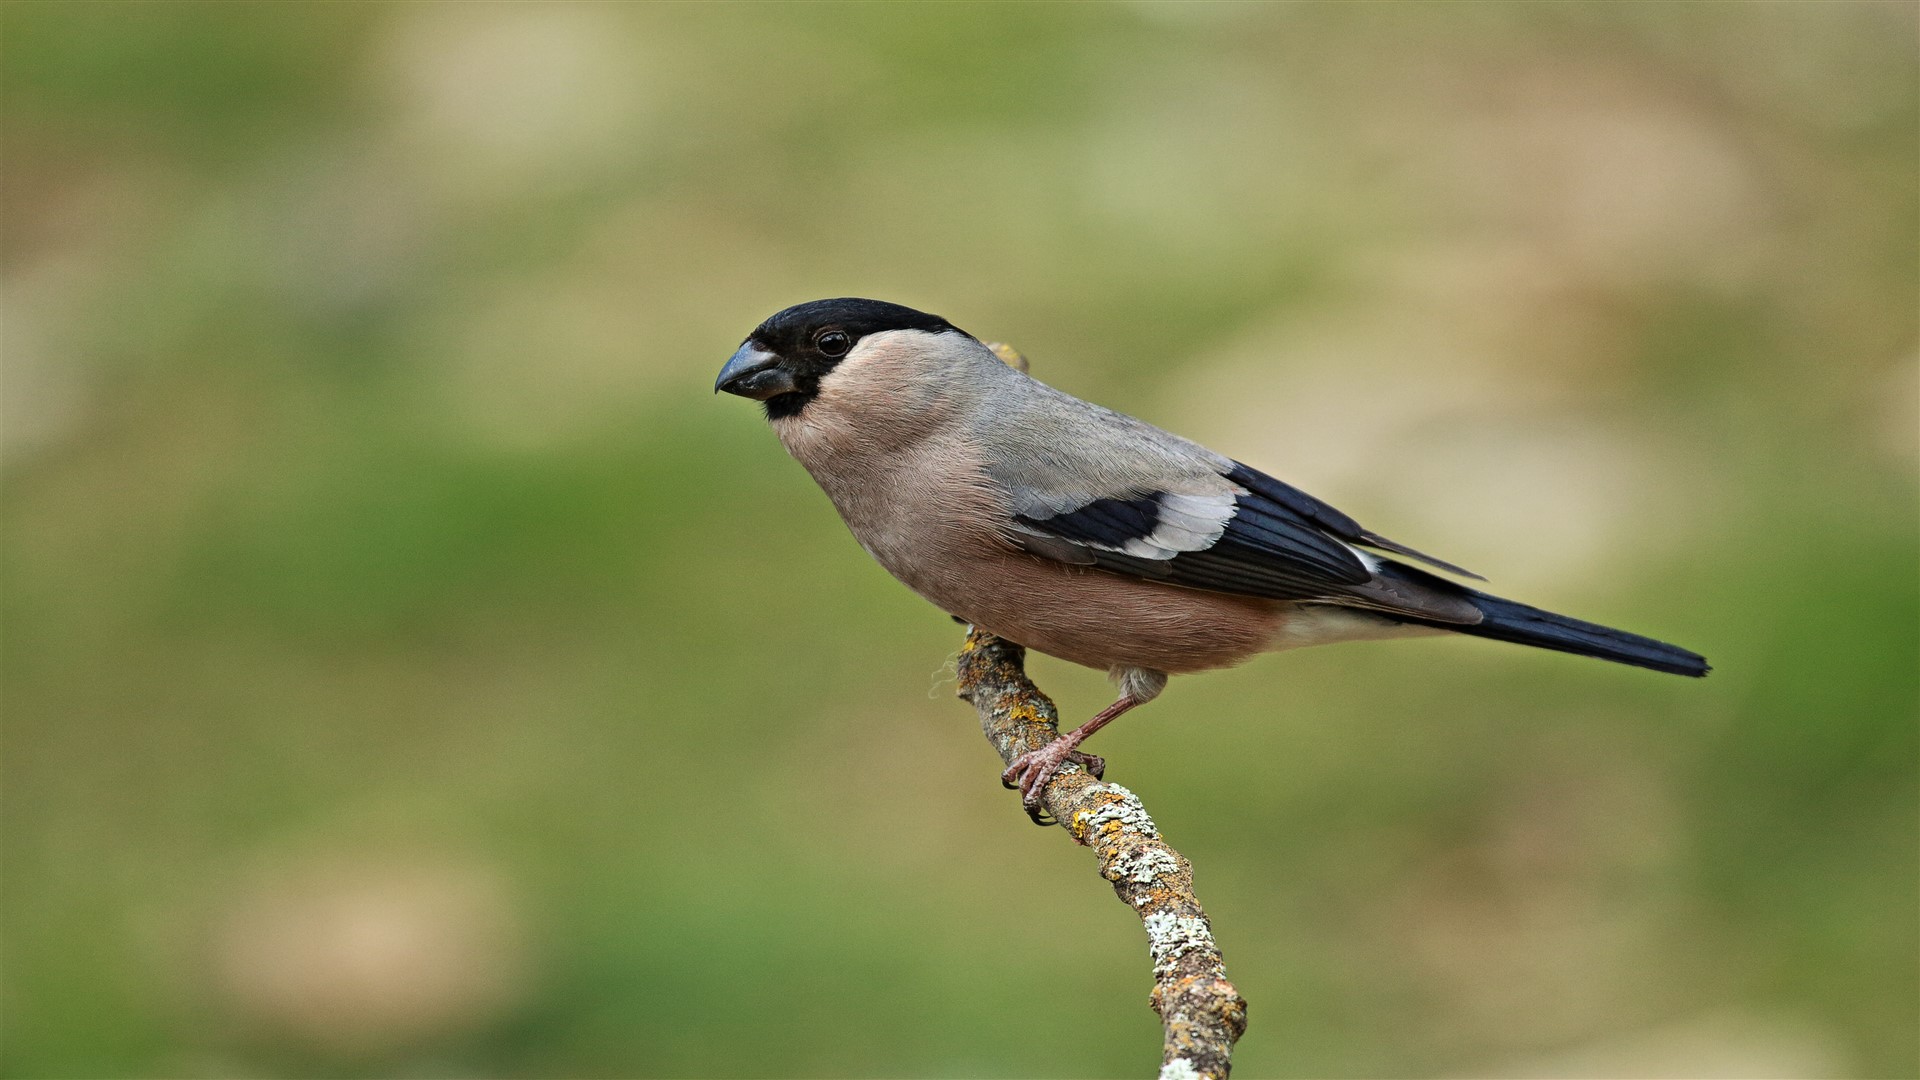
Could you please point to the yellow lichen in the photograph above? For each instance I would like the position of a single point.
(1077, 825)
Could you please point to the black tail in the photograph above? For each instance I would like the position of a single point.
(1509, 621)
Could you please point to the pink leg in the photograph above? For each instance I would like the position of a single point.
(1031, 771)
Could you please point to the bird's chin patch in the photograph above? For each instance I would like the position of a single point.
(784, 406)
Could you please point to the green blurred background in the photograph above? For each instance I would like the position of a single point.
(411, 669)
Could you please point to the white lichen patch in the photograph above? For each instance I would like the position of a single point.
(1170, 937)
(1141, 867)
(1126, 810)
(1181, 1069)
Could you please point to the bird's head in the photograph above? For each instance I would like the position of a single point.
(783, 362)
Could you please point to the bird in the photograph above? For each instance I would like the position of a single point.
(1087, 534)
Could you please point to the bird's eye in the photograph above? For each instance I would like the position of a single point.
(834, 343)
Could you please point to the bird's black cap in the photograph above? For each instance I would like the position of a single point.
(798, 325)
(782, 361)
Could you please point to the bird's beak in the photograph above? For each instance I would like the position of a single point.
(754, 373)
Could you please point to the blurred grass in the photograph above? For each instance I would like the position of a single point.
(410, 670)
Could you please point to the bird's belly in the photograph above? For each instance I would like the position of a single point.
(928, 525)
(1095, 618)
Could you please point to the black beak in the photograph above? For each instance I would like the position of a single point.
(754, 373)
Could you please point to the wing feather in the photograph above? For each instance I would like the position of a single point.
(1254, 537)
(1087, 486)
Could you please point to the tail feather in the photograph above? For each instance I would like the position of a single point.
(1506, 620)
(1523, 625)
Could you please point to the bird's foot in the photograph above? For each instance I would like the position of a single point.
(1030, 773)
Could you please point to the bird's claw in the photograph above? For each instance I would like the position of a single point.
(1032, 771)
(1093, 763)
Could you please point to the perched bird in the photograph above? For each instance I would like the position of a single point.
(1087, 534)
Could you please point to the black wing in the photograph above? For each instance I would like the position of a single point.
(1270, 540)
(1332, 520)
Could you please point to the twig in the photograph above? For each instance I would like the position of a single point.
(1203, 1013)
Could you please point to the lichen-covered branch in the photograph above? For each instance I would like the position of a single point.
(1201, 1010)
